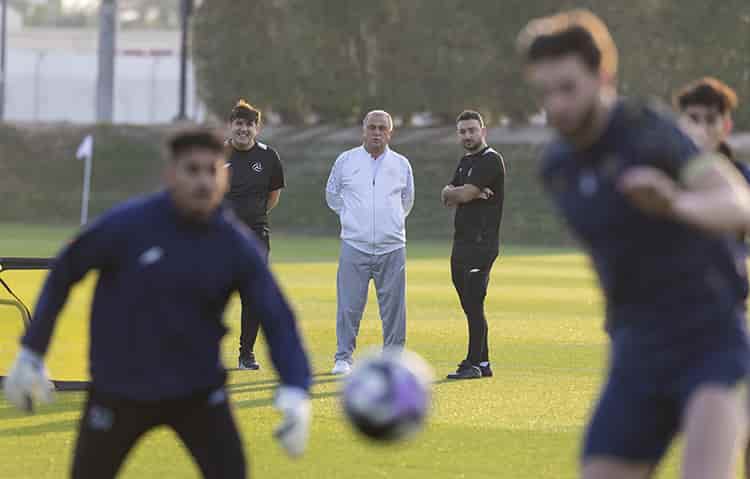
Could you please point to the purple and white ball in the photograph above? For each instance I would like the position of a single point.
(387, 396)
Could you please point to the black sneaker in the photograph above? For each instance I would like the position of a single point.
(247, 361)
(466, 370)
(486, 371)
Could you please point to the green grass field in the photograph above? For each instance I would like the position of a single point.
(546, 340)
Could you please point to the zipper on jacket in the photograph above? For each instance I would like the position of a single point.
(373, 211)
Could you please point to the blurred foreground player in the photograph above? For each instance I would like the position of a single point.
(255, 187)
(705, 109)
(167, 265)
(659, 221)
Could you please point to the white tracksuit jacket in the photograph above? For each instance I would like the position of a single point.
(372, 197)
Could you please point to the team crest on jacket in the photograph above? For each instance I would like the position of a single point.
(588, 184)
(257, 167)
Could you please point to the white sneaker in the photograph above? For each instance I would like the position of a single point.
(341, 367)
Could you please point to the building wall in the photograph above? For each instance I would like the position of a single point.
(52, 77)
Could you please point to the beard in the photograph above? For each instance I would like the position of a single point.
(471, 146)
(583, 125)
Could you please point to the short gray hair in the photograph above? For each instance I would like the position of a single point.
(378, 112)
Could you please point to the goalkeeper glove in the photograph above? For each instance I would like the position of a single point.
(27, 382)
(294, 404)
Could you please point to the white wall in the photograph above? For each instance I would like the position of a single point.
(56, 85)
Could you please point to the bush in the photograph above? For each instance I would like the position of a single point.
(41, 179)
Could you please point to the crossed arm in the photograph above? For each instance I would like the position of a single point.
(273, 199)
(455, 195)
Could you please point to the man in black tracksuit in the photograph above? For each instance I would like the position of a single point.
(257, 178)
(477, 192)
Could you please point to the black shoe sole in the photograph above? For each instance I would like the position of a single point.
(459, 377)
(253, 366)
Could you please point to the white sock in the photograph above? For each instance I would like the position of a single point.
(484, 364)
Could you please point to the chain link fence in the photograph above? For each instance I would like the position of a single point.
(53, 86)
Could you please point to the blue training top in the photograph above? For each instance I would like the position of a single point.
(661, 278)
(164, 281)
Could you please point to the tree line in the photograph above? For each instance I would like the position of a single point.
(156, 14)
(334, 59)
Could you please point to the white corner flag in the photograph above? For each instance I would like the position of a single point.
(86, 148)
(86, 152)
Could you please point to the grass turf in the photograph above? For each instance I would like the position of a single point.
(546, 341)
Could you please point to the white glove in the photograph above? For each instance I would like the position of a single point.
(294, 404)
(27, 382)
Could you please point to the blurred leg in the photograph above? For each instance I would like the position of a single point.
(107, 432)
(713, 429)
(208, 430)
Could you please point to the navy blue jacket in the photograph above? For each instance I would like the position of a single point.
(661, 278)
(164, 281)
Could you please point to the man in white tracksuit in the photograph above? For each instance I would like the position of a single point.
(371, 189)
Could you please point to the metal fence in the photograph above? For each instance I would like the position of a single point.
(46, 85)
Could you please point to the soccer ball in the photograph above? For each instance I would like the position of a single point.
(386, 397)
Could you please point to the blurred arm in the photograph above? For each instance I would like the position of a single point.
(88, 251)
(715, 196)
(264, 300)
(712, 196)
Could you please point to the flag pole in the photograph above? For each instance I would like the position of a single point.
(86, 190)
(86, 152)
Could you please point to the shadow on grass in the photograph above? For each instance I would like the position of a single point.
(63, 404)
(452, 381)
(264, 402)
(255, 383)
(268, 385)
(262, 381)
(66, 425)
(71, 425)
(72, 404)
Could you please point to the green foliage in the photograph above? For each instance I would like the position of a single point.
(41, 180)
(152, 13)
(338, 58)
(240, 48)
